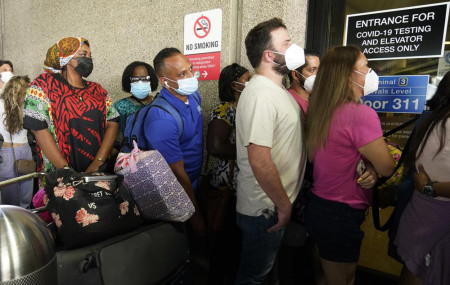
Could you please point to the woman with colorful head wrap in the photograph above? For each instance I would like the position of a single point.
(72, 119)
(221, 143)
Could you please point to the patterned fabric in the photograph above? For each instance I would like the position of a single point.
(125, 107)
(154, 187)
(396, 153)
(219, 175)
(88, 212)
(59, 54)
(75, 117)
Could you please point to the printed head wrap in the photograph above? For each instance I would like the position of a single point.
(59, 54)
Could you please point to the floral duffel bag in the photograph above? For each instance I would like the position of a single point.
(89, 208)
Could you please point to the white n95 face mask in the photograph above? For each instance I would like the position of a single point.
(245, 85)
(309, 82)
(370, 81)
(294, 56)
(6, 76)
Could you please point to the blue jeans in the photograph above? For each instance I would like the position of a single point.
(259, 248)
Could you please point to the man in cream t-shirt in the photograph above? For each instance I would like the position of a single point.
(270, 149)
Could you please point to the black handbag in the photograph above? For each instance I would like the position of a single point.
(89, 208)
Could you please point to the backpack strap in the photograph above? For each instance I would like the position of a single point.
(128, 141)
(196, 96)
(163, 104)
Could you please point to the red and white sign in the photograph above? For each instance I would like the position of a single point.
(202, 27)
(203, 42)
(206, 65)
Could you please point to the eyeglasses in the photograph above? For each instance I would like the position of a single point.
(140, 78)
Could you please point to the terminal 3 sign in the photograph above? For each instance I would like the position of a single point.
(399, 94)
(411, 32)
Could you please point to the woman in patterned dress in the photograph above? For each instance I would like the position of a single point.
(72, 119)
(221, 143)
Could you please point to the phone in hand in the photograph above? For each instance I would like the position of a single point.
(361, 167)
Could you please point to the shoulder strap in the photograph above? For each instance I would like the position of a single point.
(196, 96)
(128, 141)
(163, 104)
(14, 156)
(381, 181)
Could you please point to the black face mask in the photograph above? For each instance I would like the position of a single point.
(85, 66)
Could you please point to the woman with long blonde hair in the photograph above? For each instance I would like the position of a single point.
(15, 142)
(346, 146)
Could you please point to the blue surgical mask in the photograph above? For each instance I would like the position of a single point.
(140, 89)
(186, 86)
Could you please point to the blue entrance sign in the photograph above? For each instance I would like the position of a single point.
(399, 94)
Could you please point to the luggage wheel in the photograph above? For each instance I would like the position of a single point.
(90, 261)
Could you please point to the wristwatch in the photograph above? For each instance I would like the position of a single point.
(429, 190)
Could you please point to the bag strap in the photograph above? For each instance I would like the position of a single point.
(16, 171)
(196, 96)
(401, 127)
(129, 158)
(381, 181)
(128, 141)
(14, 156)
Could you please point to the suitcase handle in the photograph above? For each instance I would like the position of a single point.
(38, 210)
(21, 178)
(97, 178)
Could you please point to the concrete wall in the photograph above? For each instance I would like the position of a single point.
(124, 31)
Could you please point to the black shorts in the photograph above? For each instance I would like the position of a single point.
(336, 227)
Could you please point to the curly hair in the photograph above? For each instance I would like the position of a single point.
(128, 72)
(14, 98)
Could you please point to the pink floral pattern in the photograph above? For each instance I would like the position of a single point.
(136, 211)
(124, 207)
(84, 218)
(63, 191)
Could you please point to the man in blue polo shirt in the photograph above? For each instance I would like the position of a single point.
(184, 153)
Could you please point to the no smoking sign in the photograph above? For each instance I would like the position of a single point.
(203, 42)
(202, 27)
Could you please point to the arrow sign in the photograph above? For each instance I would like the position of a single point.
(204, 74)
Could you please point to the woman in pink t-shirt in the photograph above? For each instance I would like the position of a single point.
(340, 133)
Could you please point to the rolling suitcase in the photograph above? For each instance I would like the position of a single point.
(152, 254)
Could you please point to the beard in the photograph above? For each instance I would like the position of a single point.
(281, 67)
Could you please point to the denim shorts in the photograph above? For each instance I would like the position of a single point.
(336, 227)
